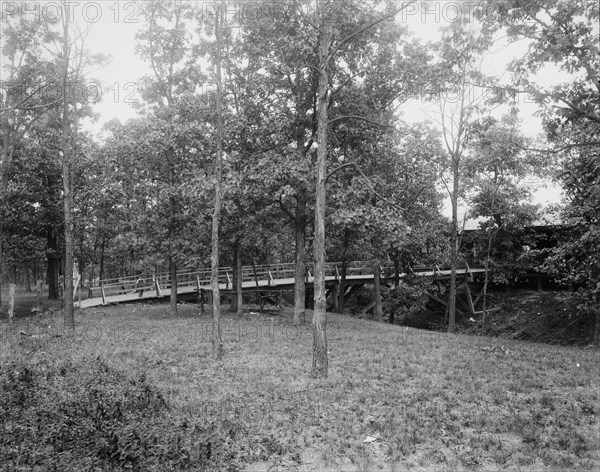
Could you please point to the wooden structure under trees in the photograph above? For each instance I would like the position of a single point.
(193, 284)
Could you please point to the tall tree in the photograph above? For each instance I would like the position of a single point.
(27, 93)
(499, 169)
(165, 44)
(329, 45)
(565, 35)
(67, 153)
(459, 102)
(217, 343)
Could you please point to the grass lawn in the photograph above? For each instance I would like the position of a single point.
(396, 398)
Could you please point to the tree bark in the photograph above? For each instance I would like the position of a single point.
(66, 175)
(5, 163)
(238, 284)
(170, 153)
(237, 306)
(378, 311)
(27, 279)
(52, 261)
(320, 357)
(234, 302)
(597, 308)
(453, 252)
(342, 294)
(173, 279)
(102, 246)
(300, 267)
(217, 343)
(342, 288)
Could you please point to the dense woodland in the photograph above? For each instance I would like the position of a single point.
(297, 151)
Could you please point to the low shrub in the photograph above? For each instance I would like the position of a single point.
(91, 417)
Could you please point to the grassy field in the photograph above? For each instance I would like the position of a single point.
(396, 398)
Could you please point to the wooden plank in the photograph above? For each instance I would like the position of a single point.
(478, 297)
(470, 303)
(353, 282)
(439, 300)
(255, 275)
(369, 307)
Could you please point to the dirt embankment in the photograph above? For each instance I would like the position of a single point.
(560, 318)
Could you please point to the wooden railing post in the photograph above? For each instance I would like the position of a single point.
(255, 274)
(157, 288)
(103, 295)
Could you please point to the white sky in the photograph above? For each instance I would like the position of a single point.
(113, 25)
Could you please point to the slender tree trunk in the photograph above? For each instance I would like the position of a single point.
(52, 264)
(234, 305)
(343, 276)
(453, 253)
(240, 279)
(320, 356)
(170, 154)
(342, 289)
(597, 328)
(377, 291)
(486, 281)
(27, 280)
(1, 248)
(597, 308)
(300, 267)
(102, 246)
(396, 270)
(173, 278)
(392, 316)
(5, 163)
(217, 343)
(66, 175)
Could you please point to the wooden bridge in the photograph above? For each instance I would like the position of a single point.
(191, 284)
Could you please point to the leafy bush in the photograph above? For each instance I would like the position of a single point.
(408, 299)
(91, 417)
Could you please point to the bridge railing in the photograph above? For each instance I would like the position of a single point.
(259, 275)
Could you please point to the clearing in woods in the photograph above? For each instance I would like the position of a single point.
(395, 399)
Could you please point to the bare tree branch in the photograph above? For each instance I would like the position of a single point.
(285, 210)
(396, 207)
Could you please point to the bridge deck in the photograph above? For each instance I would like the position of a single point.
(248, 285)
